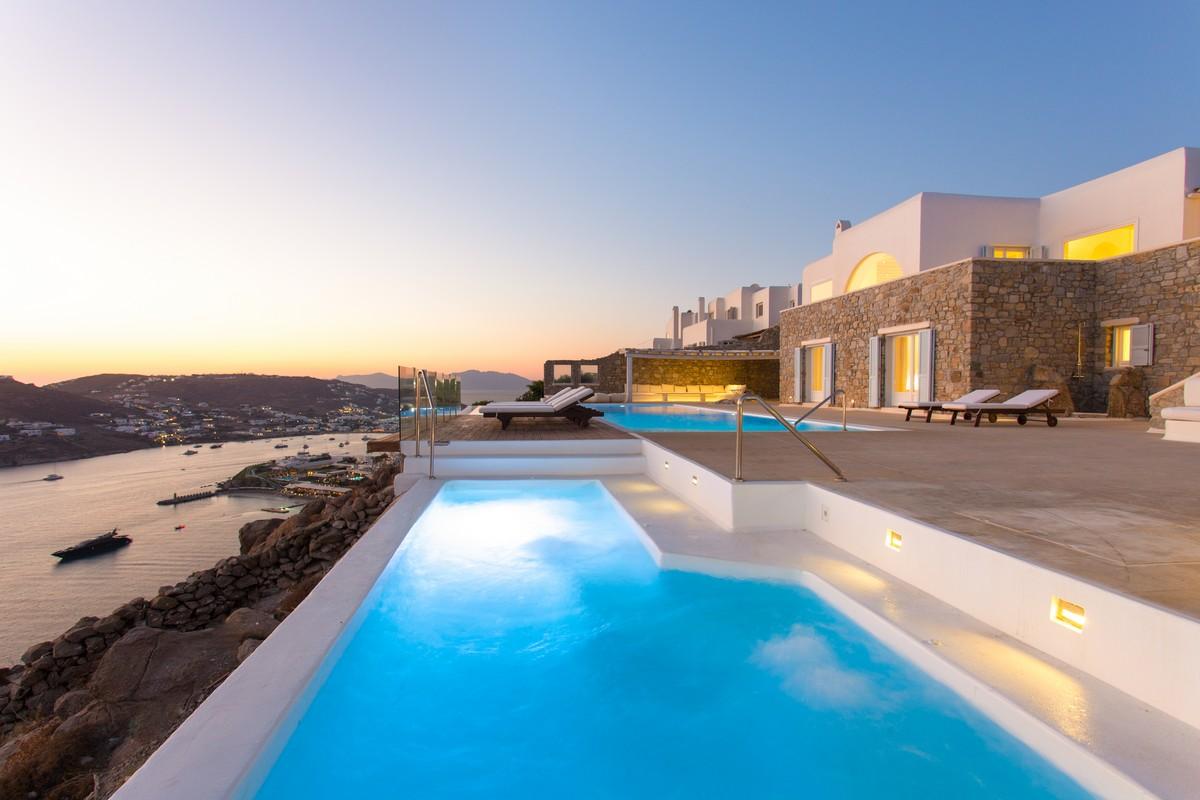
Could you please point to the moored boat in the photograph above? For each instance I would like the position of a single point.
(190, 452)
(94, 546)
(53, 476)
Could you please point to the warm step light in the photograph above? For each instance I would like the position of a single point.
(695, 481)
(1067, 614)
(666, 465)
(893, 539)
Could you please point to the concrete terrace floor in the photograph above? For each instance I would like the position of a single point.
(1099, 499)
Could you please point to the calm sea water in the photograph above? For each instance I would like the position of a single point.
(522, 643)
(40, 598)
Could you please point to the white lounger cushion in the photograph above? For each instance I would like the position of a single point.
(977, 396)
(1024, 401)
(555, 404)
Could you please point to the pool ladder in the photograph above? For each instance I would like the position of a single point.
(812, 448)
(421, 380)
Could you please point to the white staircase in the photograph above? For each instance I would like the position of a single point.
(531, 459)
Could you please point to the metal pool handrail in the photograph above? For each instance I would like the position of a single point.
(827, 399)
(812, 448)
(423, 381)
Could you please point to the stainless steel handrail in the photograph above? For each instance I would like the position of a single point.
(812, 448)
(827, 399)
(432, 419)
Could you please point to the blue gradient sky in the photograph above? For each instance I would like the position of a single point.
(324, 188)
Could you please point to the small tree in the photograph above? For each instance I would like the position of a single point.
(534, 391)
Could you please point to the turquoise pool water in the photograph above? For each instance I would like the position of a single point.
(522, 643)
(658, 417)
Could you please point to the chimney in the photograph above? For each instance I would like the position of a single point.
(700, 312)
(674, 322)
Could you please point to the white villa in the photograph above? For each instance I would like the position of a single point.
(745, 310)
(1142, 207)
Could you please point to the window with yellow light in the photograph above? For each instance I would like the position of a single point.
(1120, 346)
(820, 291)
(1009, 251)
(816, 370)
(1098, 246)
(873, 270)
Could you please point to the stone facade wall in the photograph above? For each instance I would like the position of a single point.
(611, 378)
(1163, 287)
(1024, 320)
(759, 375)
(940, 297)
(1013, 325)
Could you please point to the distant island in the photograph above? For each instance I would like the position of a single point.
(472, 380)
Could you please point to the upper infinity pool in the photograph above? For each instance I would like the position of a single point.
(658, 417)
(522, 643)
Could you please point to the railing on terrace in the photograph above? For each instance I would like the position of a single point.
(423, 395)
(812, 448)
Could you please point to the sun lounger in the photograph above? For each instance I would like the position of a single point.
(564, 404)
(977, 396)
(1031, 402)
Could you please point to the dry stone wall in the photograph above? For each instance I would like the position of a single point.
(276, 556)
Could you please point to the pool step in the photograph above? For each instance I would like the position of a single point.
(526, 465)
(549, 447)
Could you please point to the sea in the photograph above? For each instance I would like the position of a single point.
(41, 597)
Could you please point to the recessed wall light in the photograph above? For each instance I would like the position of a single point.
(695, 481)
(893, 539)
(1069, 615)
(666, 465)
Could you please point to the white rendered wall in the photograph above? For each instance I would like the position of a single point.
(955, 226)
(1151, 195)
(896, 231)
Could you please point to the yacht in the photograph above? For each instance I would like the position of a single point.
(53, 476)
(190, 452)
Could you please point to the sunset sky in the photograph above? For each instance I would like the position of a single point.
(340, 187)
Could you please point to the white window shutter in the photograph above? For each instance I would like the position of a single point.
(829, 370)
(873, 372)
(925, 368)
(1141, 345)
(798, 383)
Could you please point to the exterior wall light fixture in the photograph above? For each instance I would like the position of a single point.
(893, 539)
(1070, 615)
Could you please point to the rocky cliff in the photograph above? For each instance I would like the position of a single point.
(81, 712)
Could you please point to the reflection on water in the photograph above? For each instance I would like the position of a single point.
(40, 598)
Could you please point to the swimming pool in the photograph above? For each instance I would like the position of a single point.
(522, 643)
(658, 417)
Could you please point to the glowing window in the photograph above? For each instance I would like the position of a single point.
(873, 270)
(1106, 244)
(820, 291)
(1006, 251)
(1120, 352)
(906, 358)
(816, 370)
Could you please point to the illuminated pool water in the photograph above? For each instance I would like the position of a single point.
(522, 643)
(659, 417)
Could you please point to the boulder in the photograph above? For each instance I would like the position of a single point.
(246, 648)
(37, 651)
(254, 532)
(250, 623)
(1042, 377)
(1127, 395)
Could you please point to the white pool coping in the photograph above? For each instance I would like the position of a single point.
(1106, 740)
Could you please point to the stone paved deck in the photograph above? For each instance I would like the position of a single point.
(1100, 499)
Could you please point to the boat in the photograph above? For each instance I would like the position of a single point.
(214, 447)
(190, 452)
(94, 546)
(53, 476)
(304, 448)
(366, 438)
(331, 438)
(277, 510)
(180, 527)
(341, 444)
(280, 446)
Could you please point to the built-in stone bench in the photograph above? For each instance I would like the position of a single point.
(1183, 422)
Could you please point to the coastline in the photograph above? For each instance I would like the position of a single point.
(80, 712)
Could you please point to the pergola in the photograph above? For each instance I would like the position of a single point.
(690, 355)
